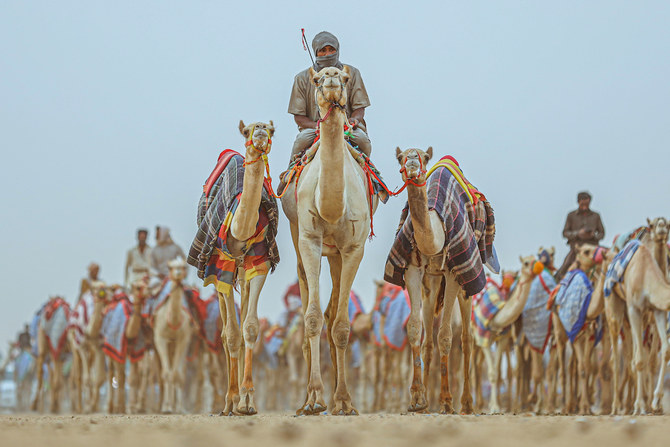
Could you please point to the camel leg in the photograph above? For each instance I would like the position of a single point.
(341, 330)
(231, 336)
(444, 339)
(121, 379)
(579, 348)
(427, 348)
(310, 251)
(637, 365)
(605, 370)
(413, 280)
(537, 375)
(163, 351)
(494, 407)
(247, 404)
(562, 370)
(97, 377)
(660, 318)
(465, 304)
(335, 263)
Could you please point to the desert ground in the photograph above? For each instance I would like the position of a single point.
(367, 430)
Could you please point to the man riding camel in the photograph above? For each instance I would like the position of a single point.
(582, 226)
(303, 107)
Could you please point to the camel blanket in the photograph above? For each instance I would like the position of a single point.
(485, 306)
(572, 302)
(54, 319)
(377, 327)
(470, 230)
(355, 306)
(80, 315)
(113, 331)
(272, 344)
(210, 327)
(396, 308)
(23, 365)
(619, 264)
(209, 252)
(536, 318)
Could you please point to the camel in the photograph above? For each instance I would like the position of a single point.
(173, 329)
(507, 314)
(427, 267)
(88, 360)
(642, 287)
(330, 212)
(51, 339)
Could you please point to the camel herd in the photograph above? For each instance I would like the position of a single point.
(442, 335)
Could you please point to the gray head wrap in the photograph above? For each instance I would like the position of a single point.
(321, 40)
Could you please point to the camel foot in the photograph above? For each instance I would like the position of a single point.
(495, 410)
(344, 407)
(314, 404)
(418, 401)
(466, 407)
(446, 407)
(246, 405)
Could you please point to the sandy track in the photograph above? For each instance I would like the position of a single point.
(323, 431)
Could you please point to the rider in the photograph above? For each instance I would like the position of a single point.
(304, 108)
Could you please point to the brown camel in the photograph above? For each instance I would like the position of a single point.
(432, 287)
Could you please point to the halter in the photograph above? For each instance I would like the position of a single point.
(409, 181)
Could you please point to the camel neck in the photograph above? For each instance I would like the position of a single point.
(245, 219)
(174, 305)
(331, 198)
(428, 230)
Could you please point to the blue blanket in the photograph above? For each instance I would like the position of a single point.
(573, 300)
(396, 310)
(23, 365)
(355, 306)
(484, 308)
(211, 326)
(618, 266)
(536, 318)
(113, 329)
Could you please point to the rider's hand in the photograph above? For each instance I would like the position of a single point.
(354, 122)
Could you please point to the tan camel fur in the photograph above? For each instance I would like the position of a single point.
(88, 362)
(426, 277)
(236, 342)
(330, 217)
(139, 293)
(504, 318)
(644, 287)
(173, 329)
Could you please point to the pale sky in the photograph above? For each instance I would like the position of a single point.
(112, 115)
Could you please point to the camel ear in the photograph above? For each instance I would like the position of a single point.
(346, 73)
(271, 128)
(552, 250)
(242, 129)
(313, 77)
(398, 154)
(429, 153)
(521, 259)
(649, 222)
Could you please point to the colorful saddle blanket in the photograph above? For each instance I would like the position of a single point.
(620, 240)
(114, 322)
(485, 306)
(573, 300)
(355, 306)
(377, 327)
(54, 320)
(209, 252)
(80, 315)
(470, 230)
(210, 327)
(24, 364)
(272, 344)
(396, 309)
(152, 304)
(536, 318)
(619, 264)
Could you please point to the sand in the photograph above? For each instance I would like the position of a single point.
(275, 430)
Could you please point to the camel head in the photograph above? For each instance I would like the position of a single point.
(658, 229)
(101, 293)
(177, 269)
(530, 268)
(589, 255)
(413, 163)
(331, 86)
(546, 256)
(258, 137)
(140, 289)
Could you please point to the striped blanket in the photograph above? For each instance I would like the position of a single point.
(209, 252)
(620, 240)
(54, 320)
(485, 306)
(572, 301)
(536, 318)
(113, 330)
(470, 230)
(619, 264)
